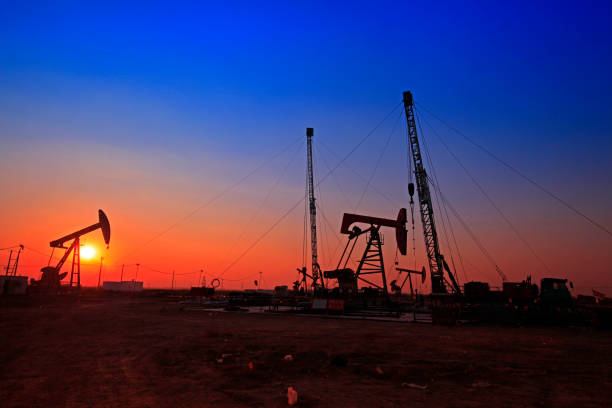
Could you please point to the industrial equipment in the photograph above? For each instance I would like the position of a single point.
(372, 260)
(301, 285)
(519, 302)
(554, 293)
(11, 270)
(409, 272)
(315, 276)
(51, 276)
(437, 264)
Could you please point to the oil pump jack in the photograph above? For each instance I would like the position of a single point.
(437, 264)
(51, 276)
(372, 260)
(409, 272)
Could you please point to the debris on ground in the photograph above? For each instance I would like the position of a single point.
(379, 370)
(416, 386)
(292, 396)
(288, 358)
(481, 384)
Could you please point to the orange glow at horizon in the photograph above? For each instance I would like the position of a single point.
(223, 239)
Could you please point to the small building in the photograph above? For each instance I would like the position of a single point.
(13, 285)
(124, 286)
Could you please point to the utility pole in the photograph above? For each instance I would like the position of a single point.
(317, 278)
(137, 267)
(173, 279)
(100, 273)
(122, 266)
(260, 275)
(200, 280)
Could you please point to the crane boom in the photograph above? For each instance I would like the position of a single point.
(317, 278)
(434, 257)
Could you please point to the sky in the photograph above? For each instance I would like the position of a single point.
(185, 122)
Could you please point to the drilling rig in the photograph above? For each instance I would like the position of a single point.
(437, 264)
(316, 276)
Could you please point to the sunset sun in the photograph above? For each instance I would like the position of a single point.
(87, 252)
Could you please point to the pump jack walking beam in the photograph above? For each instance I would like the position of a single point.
(102, 224)
(409, 273)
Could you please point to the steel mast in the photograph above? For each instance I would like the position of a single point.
(317, 278)
(437, 264)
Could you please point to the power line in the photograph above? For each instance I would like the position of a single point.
(330, 226)
(465, 226)
(345, 158)
(408, 183)
(187, 273)
(482, 190)
(338, 186)
(362, 177)
(521, 174)
(331, 254)
(11, 247)
(441, 205)
(321, 180)
(262, 236)
(219, 195)
(382, 153)
(156, 270)
(265, 200)
(243, 278)
(324, 238)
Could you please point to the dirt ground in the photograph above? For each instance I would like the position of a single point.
(142, 352)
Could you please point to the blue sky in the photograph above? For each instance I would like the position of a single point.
(180, 83)
(522, 68)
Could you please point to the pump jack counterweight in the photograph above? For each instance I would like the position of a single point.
(437, 265)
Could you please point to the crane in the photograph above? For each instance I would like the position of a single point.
(437, 264)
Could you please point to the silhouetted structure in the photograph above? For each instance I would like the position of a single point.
(372, 261)
(51, 276)
(437, 264)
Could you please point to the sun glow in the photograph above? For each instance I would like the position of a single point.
(87, 252)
